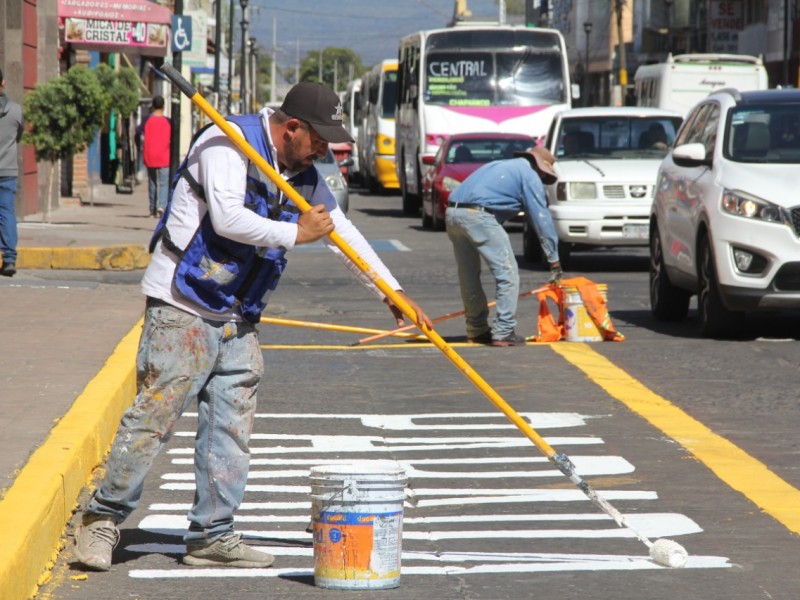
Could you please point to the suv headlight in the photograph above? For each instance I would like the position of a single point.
(576, 190)
(750, 207)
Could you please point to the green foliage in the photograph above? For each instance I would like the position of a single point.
(339, 59)
(121, 88)
(125, 93)
(64, 114)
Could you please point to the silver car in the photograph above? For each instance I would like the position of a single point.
(331, 171)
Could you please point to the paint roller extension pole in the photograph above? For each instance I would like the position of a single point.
(446, 317)
(663, 552)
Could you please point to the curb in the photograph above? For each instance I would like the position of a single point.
(37, 507)
(111, 258)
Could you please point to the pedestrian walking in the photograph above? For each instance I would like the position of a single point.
(476, 211)
(156, 134)
(11, 127)
(218, 251)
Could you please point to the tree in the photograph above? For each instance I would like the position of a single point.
(63, 115)
(338, 59)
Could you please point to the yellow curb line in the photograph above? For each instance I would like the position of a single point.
(730, 463)
(37, 507)
(112, 258)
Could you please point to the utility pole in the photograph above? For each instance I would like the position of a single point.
(273, 74)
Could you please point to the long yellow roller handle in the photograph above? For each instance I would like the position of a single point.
(345, 328)
(462, 365)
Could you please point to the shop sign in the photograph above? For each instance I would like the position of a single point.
(116, 33)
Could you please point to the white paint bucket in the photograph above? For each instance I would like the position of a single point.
(358, 524)
(578, 325)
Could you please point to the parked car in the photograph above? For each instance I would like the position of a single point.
(331, 170)
(607, 161)
(458, 157)
(725, 222)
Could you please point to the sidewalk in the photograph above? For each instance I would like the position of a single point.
(110, 232)
(67, 369)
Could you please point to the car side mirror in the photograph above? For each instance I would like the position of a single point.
(428, 159)
(690, 155)
(576, 91)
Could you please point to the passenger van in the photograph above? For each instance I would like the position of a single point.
(685, 79)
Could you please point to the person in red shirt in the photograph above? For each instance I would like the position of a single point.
(157, 131)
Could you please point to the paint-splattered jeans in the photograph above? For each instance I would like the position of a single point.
(182, 357)
(477, 234)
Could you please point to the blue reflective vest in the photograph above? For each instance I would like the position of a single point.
(215, 272)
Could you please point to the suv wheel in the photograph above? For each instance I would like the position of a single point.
(667, 302)
(716, 321)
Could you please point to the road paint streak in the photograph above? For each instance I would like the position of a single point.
(730, 463)
(584, 465)
(574, 562)
(654, 525)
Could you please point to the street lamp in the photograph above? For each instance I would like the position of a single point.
(243, 68)
(587, 28)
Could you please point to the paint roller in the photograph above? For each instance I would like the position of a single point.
(667, 553)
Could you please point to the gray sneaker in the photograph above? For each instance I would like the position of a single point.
(226, 551)
(95, 538)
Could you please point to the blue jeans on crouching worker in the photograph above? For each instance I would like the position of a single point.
(182, 357)
(477, 234)
(8, 219)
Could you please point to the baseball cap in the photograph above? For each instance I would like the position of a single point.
(541, 161)
(319, 106)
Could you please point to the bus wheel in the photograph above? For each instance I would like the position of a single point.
(411, 202)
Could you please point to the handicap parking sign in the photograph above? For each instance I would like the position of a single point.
(181, 33)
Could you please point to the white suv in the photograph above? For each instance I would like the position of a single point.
(726, 217)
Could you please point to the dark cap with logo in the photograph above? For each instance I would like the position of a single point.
(541, 161)
(319, 106)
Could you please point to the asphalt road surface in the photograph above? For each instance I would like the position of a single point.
(693, 440)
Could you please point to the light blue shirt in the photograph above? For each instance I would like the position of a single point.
(504, 187)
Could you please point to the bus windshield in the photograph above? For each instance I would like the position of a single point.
(503, 78)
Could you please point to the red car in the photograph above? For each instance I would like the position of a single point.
(458, 157)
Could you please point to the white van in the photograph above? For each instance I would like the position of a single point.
(685, 79)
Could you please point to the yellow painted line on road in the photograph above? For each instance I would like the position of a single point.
(730, 463)
(128, 257)
(39, 504)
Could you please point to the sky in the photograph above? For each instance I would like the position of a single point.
(371, 28)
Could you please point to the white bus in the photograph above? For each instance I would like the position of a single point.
(685, 79)
(485, 78)
(376, 130)
(351, 102)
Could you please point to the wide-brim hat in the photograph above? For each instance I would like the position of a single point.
(319, 106)
(541, 161)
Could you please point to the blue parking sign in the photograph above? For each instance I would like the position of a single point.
(181, 33)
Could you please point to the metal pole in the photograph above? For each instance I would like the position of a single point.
(243, 67)
(587, 27)
(230, 58)
(175, 113)
(217, 47)
(254, 74)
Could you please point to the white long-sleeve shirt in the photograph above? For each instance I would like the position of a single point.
(221, 169)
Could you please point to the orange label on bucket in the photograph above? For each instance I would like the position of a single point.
(357, 545)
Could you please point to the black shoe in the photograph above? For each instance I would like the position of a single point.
(484, 338)
(511, 339)
(9, 269)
